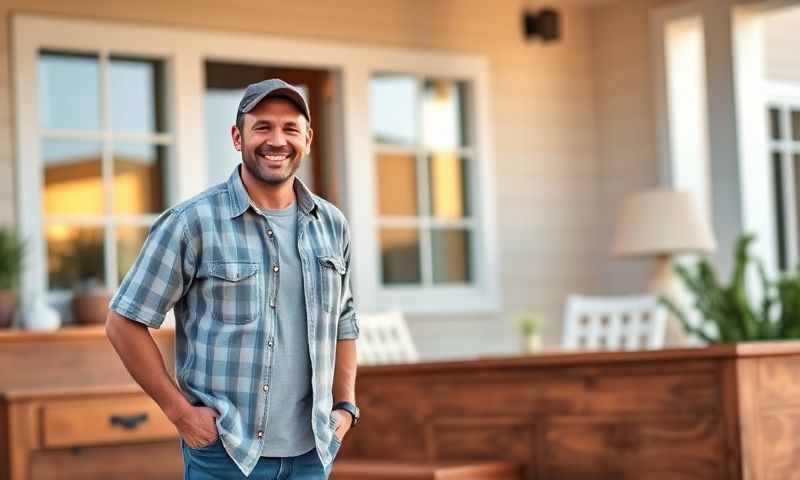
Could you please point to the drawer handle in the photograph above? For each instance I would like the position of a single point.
(128, 422)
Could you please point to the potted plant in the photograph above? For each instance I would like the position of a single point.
(528, 325)
(90, 294)
(728, 313)
(11, 252)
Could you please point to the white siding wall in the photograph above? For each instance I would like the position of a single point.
(544, 122)
(782, 30)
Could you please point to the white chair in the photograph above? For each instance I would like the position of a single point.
(632, 322)
(384, 338)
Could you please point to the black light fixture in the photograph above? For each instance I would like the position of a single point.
(544, 24)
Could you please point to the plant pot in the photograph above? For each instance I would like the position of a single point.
(90, 308)
(531, 343)
(8, 303)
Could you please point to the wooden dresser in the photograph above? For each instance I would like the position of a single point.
(69, 410)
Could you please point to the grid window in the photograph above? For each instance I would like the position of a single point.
(423, 160)
(784, 134)
(105, 153)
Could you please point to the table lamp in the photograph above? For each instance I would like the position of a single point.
(663, 223)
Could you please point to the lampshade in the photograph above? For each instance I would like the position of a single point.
(661, 222)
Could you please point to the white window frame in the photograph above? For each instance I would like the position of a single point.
(108, 221)
(785, 97)
(184, 53)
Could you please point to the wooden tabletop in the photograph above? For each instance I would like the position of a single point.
(562, 358)
(394, 470)
(72, 332)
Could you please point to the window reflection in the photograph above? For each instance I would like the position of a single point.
(135, 88)
(400, 256)
(69, 94)
(775, 123)
(139, 175)
(796, 125)
(394, 104)
(72, 177)
(448, 186)
(444, 115)
(397, 184)
(451, 259)
(75, 254)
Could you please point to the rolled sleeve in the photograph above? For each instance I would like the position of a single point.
(161, 274)
(347, 328)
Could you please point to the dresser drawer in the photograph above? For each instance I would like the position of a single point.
(111, 420)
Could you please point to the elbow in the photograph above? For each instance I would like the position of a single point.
(112, 326)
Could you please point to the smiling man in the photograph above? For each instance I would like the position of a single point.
(257, 270)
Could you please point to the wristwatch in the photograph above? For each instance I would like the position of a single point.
(349, 408)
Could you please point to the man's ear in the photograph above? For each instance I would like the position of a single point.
(236, 136)
(309, 138)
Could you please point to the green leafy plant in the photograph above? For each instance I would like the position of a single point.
(12, 251)
(727, 310)
(527, 323)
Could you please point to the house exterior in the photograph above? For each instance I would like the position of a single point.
(541, 140)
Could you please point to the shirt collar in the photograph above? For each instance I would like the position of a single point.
(240, 200)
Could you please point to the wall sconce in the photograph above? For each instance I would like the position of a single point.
(544, 24)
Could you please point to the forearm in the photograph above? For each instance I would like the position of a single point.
(143, 360)
(344, 375)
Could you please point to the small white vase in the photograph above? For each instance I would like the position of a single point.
(39, 316)
(531, 343)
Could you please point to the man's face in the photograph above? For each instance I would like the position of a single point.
(273, 140)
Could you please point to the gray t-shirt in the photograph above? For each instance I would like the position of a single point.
(288, 431)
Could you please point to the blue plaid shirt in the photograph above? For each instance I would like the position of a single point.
(208, 259)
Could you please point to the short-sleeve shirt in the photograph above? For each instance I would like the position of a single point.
(208, 259)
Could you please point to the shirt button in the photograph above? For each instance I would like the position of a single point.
(260, 434)
(269, 344)
(269, 233)
(266, 388)
(272, 303)
(275, 268)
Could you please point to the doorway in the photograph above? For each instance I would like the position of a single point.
(225, 84)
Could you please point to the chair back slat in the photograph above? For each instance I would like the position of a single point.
(632, 322)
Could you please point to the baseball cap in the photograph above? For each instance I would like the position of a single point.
(274, 87)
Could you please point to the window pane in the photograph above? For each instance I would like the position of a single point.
(448, 185)
(444, 115)
(69, 95)
(400, 256)
(780, 209)
(394, 99)
(74, 254)
(135, 95)
(139, 174)
(796, 125)
(397, 184)
(451, 259)
(72, 177)
(129, 242)
(775, 123)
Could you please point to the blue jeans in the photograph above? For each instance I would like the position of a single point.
(213, 463)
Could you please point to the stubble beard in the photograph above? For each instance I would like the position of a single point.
(252, 163)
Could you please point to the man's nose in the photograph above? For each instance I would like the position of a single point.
(277, 139)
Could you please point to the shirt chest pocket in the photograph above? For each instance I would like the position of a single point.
(332, 272)
(235, 291)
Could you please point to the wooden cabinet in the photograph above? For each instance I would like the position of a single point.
(69, 410)
(88, 433)
(729, 412)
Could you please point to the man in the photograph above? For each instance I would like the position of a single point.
(257, 270)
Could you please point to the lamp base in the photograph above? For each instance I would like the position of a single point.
(665, 282)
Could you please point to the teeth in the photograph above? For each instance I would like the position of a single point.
(275, 157)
